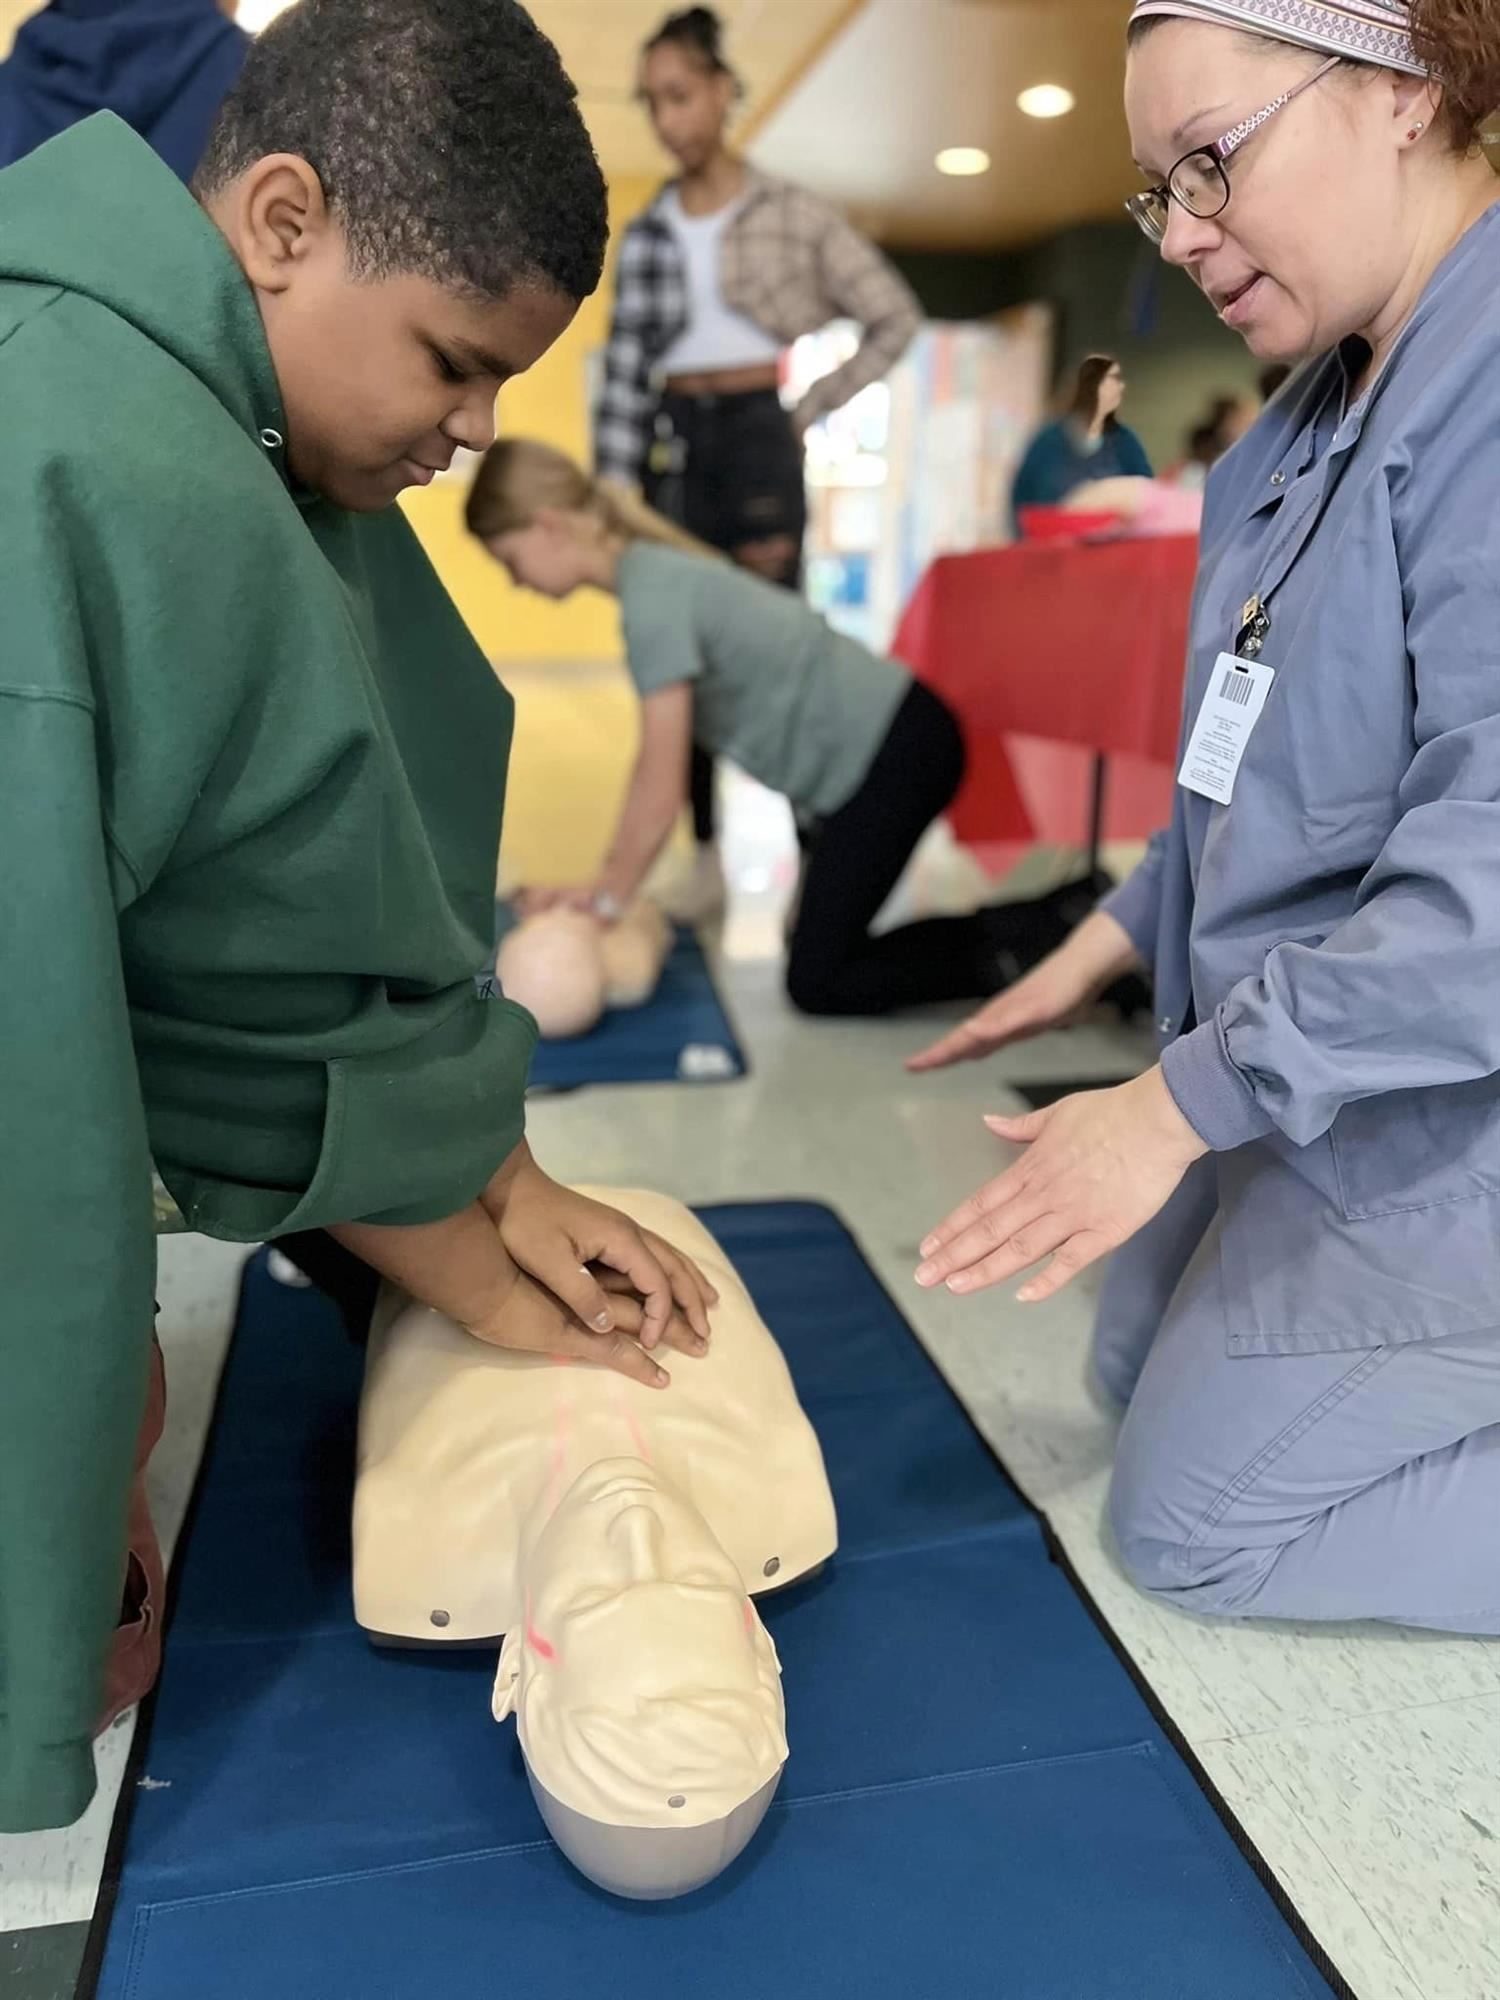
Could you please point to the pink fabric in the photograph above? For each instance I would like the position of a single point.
(1167, 510)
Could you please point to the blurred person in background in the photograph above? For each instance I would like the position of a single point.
(848, 738)
(1087, 444)
(1227, 421)
(719, 275)
(164, 66)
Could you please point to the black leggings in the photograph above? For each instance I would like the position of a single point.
(729, 470)
(855, 860)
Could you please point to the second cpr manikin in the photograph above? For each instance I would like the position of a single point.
(616, 1537)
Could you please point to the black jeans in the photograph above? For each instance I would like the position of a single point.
(729, 470)
(834, 966)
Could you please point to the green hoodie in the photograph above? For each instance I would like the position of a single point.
(251, 777)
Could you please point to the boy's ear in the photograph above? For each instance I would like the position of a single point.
(276, 217)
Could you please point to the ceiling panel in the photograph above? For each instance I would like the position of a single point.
(909, 77)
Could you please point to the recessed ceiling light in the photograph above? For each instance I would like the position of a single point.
(963, 160)
(253, 15)
(1046, 100)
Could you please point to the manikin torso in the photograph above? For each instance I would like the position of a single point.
(463, 1448)
(616, 1536)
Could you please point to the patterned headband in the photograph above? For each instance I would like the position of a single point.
(1372, 31)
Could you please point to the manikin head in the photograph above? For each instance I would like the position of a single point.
(553, 966)
(411, 193)
(647, 1692)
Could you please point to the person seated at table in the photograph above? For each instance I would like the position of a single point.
(1087, 443)
(859, 748)
(1227, 420)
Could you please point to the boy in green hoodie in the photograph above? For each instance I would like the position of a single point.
(252, 766)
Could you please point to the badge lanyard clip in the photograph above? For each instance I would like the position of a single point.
(1255, 624)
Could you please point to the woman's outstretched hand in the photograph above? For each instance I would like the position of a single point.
(1049, 996)
(1096, 1168)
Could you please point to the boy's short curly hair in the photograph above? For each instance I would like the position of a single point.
(446, 134)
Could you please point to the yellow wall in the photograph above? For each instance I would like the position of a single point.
(12, 14)
(549, 403)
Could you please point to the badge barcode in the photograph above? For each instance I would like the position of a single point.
(1236, 687)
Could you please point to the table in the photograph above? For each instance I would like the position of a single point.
(1060, 661)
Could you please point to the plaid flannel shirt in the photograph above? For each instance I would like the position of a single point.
(790, 263)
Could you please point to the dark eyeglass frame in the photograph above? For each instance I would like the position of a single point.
(1151, 209)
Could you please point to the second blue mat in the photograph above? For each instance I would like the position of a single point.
(681, 1035)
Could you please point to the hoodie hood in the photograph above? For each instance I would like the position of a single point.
(164, 66)
(97, 213)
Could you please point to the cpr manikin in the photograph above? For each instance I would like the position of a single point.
(565, 967)
(615, 1535)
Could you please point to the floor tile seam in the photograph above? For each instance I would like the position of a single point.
(1298, 1895)
(1343, 1722)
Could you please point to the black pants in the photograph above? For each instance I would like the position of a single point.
(338, 1274)
(857, 856)
(729, 470)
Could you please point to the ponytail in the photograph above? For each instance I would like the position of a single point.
(699, 33)
(624, 512)
(518, 477)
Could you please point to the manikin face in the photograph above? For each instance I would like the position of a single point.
(1312, 245)
(623, 1552)
(550, 555)
(643, 1674)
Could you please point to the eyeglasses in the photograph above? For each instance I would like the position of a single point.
(1198, 182)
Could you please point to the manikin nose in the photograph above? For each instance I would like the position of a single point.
(638, 1535)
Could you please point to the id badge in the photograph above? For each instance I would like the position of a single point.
(1236, 694)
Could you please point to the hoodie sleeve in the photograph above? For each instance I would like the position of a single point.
(76, 1241)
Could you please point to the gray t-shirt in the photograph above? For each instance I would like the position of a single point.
(798, 706)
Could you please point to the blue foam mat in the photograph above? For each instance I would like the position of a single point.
(681, 1035)
(978, 1801)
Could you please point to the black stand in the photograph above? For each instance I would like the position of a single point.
(1096, 812)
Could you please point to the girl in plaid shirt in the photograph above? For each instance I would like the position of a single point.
(719, 275)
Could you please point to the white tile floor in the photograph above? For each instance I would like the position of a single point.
(1364, 1762)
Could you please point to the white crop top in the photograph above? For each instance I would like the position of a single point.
(715, 337)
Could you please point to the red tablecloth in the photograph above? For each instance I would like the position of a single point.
(1047, 654)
